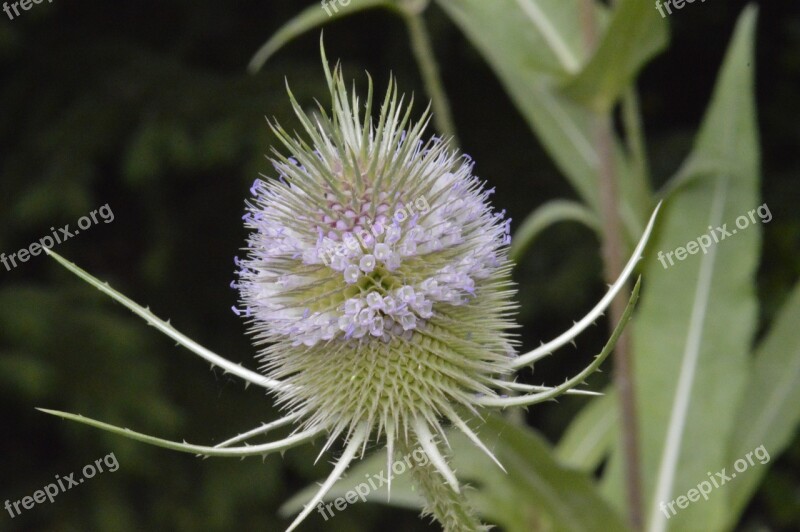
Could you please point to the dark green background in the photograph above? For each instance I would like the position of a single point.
(146, 106)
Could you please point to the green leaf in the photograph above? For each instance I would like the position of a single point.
(546, 215)
(590, 436)
(529, 53)
(770, 415)
(547, 27)
(697, 322)
(636, 34)
(534, 46)
(411, 13)
(536, 493)
(312, 17)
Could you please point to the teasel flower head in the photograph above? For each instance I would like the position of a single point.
(376, 279)
(376, 286)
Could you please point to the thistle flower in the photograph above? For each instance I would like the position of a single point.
(376, 286)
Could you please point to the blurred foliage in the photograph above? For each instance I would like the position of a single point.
(147, 107)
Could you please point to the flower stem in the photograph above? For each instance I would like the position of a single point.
(449, 508)
(613, 258)
(429, 69)
(623, 361)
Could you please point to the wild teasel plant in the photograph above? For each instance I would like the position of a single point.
(376, 286)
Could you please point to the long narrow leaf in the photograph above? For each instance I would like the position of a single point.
(312, 17)
(770, 415)
(636, 33)
(697, 322)
(590, 436)
(548, 214)
(534, 46)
